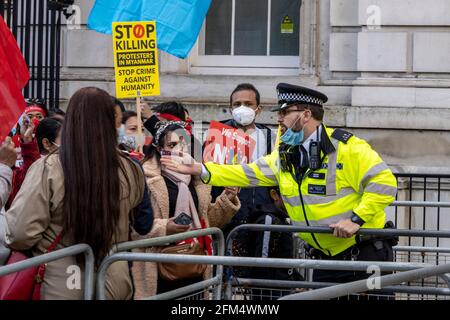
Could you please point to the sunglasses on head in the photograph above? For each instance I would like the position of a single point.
(35, 101)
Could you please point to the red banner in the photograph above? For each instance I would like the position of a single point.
(14, 76)
(227, 145)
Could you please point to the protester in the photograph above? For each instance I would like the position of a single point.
(167, 111)
(83, 193)
(170, 111)
(29, 152)
(171, 195)
(36, 109)
(7, 160)
(48, 135)
(130, 120)
(57, 114)
(119, 109)
(245, 106)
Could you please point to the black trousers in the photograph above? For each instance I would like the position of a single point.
(374, 250)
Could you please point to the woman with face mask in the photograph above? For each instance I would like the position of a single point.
(29, 153)
(171, 195)
(86, 192)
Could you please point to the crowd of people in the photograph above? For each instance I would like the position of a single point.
(79, 177)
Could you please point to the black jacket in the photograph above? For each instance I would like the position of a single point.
(267, 244)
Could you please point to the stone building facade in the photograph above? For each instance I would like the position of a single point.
(383, 63)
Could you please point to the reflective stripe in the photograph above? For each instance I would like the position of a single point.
(266, 238)
(311, 200)
(251, 176)
(381, 189)
(326, 221)
(331, 172)
(263, 166)
(372, 172)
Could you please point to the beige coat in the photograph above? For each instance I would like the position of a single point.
(35, 219)
(5, 188)
(5, 183)
(145, 275)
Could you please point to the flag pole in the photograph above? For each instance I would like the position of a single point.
(139, 122)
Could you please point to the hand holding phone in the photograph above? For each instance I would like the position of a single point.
(183, 219)
(166, 153)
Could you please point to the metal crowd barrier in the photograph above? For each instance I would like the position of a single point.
(240, 261)
(4, 254)
(56, 255)
(426, 207)
(361, 285)
(244, 288)
(117, 254)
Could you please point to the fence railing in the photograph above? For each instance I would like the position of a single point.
(367, 233)
(428, 196)
(362, 285)
(119, 255)
(56, 255)
(215, 283)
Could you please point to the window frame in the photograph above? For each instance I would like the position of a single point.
(244, 64)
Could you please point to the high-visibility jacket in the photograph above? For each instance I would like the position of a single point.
(352, 179)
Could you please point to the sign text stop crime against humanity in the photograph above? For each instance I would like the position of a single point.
(135, 59)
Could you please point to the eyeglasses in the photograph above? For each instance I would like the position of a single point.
(284, 112)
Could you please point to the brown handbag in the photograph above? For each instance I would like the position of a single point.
(178, 271)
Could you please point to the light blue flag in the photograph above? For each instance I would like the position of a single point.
(178, 22)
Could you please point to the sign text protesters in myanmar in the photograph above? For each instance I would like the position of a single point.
(135, 59)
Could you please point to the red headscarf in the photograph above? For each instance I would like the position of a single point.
(170, 117)
(36, 108)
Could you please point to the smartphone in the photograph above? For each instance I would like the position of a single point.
(183, 219)
(23, 117)
(166, 153)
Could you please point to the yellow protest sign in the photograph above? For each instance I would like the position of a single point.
(287, 26)
(135, 59)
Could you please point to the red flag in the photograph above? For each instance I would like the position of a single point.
(14, 76)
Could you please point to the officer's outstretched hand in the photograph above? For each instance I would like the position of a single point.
(345, 228)
(182, 163)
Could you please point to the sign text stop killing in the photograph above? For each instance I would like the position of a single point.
(135, 59)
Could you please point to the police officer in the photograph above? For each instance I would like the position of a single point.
(326, 178)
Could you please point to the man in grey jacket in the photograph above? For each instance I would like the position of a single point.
(8, 158)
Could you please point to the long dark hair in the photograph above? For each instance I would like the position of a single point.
(91, 163)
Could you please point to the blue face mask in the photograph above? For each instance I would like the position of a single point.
(293, 138)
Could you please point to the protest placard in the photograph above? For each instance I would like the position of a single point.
(227, 145)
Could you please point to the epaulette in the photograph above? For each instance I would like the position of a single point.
(342, 135)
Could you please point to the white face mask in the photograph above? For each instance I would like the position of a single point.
(244, 115)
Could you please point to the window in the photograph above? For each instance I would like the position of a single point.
(256, 36)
